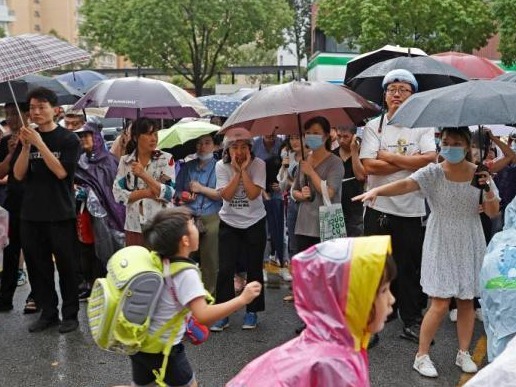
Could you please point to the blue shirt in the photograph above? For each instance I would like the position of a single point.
(191, 171)
(262, 152)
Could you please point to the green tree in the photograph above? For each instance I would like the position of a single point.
(2, 33)
(432, 25)
(299, 34)
(194, 38)
(505, 13)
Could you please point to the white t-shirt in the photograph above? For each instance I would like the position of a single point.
(187, 287)
(241, 212)
(401, 140)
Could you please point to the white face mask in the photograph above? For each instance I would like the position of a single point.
(205, 157)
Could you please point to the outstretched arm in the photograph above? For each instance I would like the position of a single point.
(399, 187)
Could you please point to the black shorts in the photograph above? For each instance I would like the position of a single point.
(179, 372)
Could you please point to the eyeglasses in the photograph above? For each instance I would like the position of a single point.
(399, 90)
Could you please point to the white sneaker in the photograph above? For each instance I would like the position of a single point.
(453, 315)
(425, 366)
(465, 362)
(285, 274)
(265, 279)
(478, 314)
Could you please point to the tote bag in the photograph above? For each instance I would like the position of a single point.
(331, 217)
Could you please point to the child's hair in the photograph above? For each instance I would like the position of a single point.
(166, 229)
(389, 274)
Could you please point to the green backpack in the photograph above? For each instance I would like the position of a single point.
(121, 305)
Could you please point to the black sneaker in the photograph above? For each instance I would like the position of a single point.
(412, 333)
(84, 294)
(68, 326)
(42, 324)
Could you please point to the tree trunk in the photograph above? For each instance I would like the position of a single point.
(198, 84)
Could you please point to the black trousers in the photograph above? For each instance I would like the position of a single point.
(232, 242)
(41, 240)
(11, 261)
(407, 236)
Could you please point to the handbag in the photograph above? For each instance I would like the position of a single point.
(331, 217)
(84, 226)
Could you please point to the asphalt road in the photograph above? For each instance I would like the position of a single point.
(73, 360)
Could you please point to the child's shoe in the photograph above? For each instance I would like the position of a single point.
(250, 320)
(220, 325)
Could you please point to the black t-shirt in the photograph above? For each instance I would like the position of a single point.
(13, 201)
(351, 187)
(47, 198)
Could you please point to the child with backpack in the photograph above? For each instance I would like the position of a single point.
(172, 235)
(341, 292)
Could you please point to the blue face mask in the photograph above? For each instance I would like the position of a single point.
(453, 154)
(314, 141)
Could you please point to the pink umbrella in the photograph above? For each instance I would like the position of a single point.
(475, 67)
(283, 109)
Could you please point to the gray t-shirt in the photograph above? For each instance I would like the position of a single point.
(240, 211)
(331, 170)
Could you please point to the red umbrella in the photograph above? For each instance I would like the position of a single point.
(473, 66)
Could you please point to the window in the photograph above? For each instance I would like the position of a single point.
(37, 27)
(36, 13)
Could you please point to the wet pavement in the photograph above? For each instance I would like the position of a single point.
(73, 360)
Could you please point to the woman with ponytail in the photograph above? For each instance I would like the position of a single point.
(145, 179)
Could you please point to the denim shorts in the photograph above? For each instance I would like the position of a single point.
(179, 372)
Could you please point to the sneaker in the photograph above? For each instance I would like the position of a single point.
(22, 277)
(425, 366)
(453, 315)
(411, 333)
(285, 274)
(42, 324)
(250, 320)
(478, 314)
(68, 326)
(465, 362)
(84, 294)
(220, 325)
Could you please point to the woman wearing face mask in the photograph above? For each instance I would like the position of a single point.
(454, 244)
(196, 187)
(320, 165)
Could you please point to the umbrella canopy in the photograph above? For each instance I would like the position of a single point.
(282, 109)
(182, 132)
(24, 85)
(30, 53)
(220, 105)
(507, 77)
(134, 97)
(244, 93)
(469, 103)
(360, 63)
(473, 66)
(430, 74)
(82, 80)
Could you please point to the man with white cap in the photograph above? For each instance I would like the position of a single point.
(390, 153)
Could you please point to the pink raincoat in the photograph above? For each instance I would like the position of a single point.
(335, 286)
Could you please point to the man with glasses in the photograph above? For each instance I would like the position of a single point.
(74, 120)
(390, 153)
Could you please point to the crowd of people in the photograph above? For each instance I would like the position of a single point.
(258, 200)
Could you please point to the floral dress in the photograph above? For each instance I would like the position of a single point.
(161, 168)
(454, 245)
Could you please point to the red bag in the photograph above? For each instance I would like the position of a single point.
(196, 332)
(84, 226)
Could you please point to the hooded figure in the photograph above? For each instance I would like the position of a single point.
(498, 286)
(335, 286)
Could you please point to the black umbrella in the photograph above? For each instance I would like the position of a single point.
(507, 77)
(430, 74)
(481, 102)
(362, 62)
(66, 95)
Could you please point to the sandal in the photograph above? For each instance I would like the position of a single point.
(30, 306)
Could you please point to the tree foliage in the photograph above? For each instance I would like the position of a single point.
(505, 14)
(194, 38)
(299, 33)
(432, 25)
